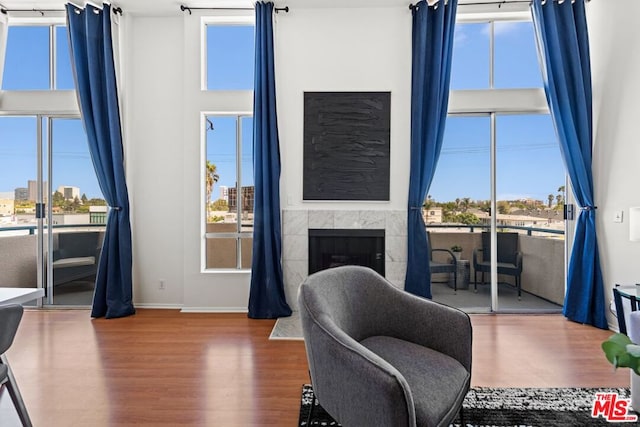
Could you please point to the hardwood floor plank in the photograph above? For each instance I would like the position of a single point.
(164, 367)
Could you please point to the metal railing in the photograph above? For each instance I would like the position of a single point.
(33, 228)
(472, 228)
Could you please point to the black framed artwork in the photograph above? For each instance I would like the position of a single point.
(346, 145)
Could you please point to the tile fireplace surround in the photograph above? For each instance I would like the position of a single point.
(295, 241)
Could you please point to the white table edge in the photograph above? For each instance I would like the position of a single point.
(19, 295)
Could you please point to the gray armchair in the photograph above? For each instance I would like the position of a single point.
(10, 316)
(379, 356)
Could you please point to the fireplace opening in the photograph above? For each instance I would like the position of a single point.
(336, 247)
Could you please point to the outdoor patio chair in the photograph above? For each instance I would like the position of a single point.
(509, 258)
(380, 356)
(451, 266)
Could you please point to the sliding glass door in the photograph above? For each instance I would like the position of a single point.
(53, 216)
(499, 184)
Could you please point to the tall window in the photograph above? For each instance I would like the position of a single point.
(499, 148)
(228, 64)
(229, 191)
(47, 64)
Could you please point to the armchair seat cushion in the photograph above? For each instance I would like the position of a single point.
(434, 378)
(503, 267)
(74, 262)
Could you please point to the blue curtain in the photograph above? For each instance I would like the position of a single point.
(266, 296)
(432, 42)
(94, 73)
(563, 48)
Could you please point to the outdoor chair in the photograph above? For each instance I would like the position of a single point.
(509, 258)
(10, 316)
(76, 256)
(443, 267)
(380, 356)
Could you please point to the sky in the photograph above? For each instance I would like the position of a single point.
(529, 164)
(72, 164)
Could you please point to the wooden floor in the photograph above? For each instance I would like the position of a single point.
(163, 367)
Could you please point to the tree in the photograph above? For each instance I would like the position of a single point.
(211, 178)
(550, 197)
(220, 205)
(465, 204)
(467, 218)
(84, 199)
(97, 202)
(503, 207)
(428, 204)
(58, 199)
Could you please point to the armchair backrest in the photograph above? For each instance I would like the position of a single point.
(507, 246)
(10, 316)
(82, 244)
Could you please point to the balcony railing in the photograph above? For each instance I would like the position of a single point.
(31, 229)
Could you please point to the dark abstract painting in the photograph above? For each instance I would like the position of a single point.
(346, 145)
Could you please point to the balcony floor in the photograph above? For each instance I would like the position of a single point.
(472, 302)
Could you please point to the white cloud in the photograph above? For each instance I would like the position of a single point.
(506, 28)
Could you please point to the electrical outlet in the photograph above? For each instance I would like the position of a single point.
(161, 286)
(617, 216)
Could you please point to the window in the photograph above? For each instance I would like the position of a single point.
(229, 55)
(48, 64)
(228, 172)
(515, 61)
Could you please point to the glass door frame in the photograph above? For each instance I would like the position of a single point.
(44, 209)
(493, 305)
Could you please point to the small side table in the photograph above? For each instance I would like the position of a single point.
(462, 273)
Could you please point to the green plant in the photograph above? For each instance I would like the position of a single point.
(456, 248)
(621, 352)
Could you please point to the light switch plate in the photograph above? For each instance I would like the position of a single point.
(618, 216)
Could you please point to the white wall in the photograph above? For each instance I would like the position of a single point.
(332, 50)
(317, 50)
(615, 61)
(353, 49)
(154, 140)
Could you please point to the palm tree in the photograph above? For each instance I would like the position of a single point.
(550, 197)
(465, 203)
(211, 178)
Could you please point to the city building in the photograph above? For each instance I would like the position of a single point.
(7, 207)
(21, 194)
(224, 193)
(68, 192)
(432, 215)
(32, 190)
(246, 202)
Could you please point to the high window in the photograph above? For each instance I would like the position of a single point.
(47, 64)
(229, 54)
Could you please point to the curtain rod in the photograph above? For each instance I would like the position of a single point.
(498, 2)
(115, 10)
(183, 8)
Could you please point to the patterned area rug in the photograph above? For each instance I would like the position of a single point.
(507, 407)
